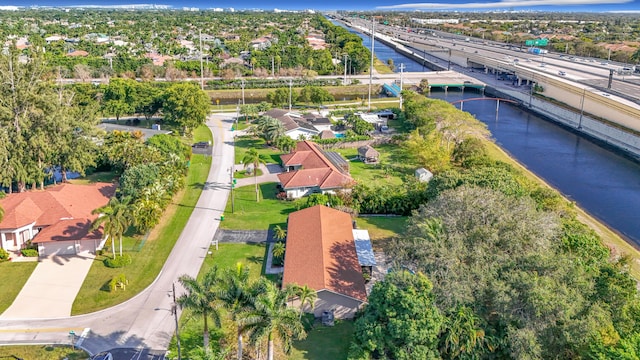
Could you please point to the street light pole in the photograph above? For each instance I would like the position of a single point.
(290, 85)
(401, 82)
(232, 186)
(242, 91)
(373, 39)
(584, 92)
(174, 310)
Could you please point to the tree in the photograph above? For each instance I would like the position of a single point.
(400, 322)
(285, 143)
(186, 105)
(116, 219)
(201, 299)
(279, 97)
(271, 319)
(462, 337)
(252, 157)
(237, 294)
(306, 295)
(278, 250)
(279, 233)
(119, 98)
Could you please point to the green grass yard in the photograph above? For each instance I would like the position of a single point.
(148, 256)
(324, 343)
(374, 174)
(13, 276)
(246, 142)
(42, 352)
(249, 215)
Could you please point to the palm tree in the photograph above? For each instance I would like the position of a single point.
(462, 335)
(252, 157)
(307, 296)
(202, 299)
(278, 250)
(237, 295)
(272, 319)
(116, 219)
(279, 233)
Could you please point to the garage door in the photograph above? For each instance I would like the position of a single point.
(57, 248)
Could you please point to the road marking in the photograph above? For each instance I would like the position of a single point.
(84, 334)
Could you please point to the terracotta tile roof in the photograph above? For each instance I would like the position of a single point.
(56, 203)
(321, 252)
(327, 134)
(316, 169)
(69, 229)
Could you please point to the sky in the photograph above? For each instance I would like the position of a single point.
(404, 5)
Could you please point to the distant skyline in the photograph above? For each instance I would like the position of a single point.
(398, 5)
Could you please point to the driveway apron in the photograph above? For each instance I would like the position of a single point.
(51, 289)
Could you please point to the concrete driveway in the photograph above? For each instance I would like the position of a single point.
(51, 289)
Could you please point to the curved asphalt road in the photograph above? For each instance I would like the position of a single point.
(146, 321)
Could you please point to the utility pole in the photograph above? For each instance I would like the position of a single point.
(242, 91)
(290, 85)
(345, 69)
(174, 310)
(373, 39)
(232, 186)
(201, 66)
(272, 67)
(401, 82)
(584, 92)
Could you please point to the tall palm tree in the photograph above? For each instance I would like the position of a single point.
(202, 299)
(252, 157)
(271, 319)
(116, 219)
(307, 296)
(237, 295)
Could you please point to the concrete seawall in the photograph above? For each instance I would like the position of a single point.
(610, 135)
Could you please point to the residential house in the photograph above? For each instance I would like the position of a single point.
(77, 53)
(58, 219)
(310, 170)
(374, 119)
(321, 253)
(296, 126)
(368, 155)
(261, 43)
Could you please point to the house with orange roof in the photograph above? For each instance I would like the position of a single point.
(321, 253)
(310, 170)
(57, 219)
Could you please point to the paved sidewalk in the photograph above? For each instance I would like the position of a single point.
(51, 289)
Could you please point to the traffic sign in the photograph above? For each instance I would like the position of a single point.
(537, 42)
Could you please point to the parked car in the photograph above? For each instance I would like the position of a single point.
(562, 73)
(105, 355)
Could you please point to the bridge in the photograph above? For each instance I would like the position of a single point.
(391, 89)
(497, 100)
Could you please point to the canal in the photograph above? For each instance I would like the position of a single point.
(600, 180)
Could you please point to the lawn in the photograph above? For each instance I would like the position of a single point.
(42, 352)
(251, 215)
(246, 142)
(148, 255)
(374, 174)
(382, 227)
(226, 257)
(12, 277)
(100, 176)
(324, 343)
(241, 174)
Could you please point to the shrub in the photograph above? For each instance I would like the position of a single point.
(4, 255)
(120, 281)
(29, 252)
(118, 262)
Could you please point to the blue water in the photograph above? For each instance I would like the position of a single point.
(600, 180)
(339, 136)
(384, 53)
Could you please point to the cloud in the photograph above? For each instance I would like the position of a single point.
(502, 4)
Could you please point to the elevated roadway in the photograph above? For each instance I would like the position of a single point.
(579, 83)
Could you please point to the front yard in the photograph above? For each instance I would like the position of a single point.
(148, 255)
(251, 215)
(13, 276)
